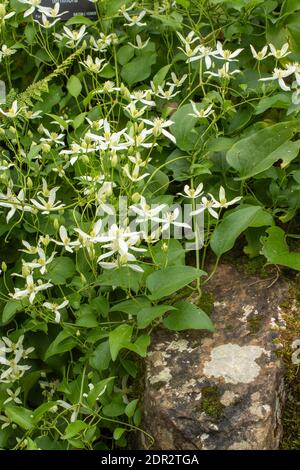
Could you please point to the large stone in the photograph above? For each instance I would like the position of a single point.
(221, 390)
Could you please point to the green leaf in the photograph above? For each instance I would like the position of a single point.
(174, 255)
(292, 26)
(231, 227)
(159, 180)
(123, 277)
(276, 250)
(140, 346)
(114, 409)
(49, 99)
(112, 6)
(290, 152)
(131, 407)
(130, 366)
(87, 320)
(31, 445)
(100, 305)
(59, 120)
(290, 6)
(107, 72)
(119, 338)
(165, 282)
(74, 428)
(184, 3)
(98, 390)
(29, 380)
(280, 100)
(183, 127)
(74, 86)
(61, 269)
(138, 69)
(124, 54)
(30, 33)
(239, 120)
(46, 443)
(161, 75)
(262, 217)
(253, 237)
(11, 308)
(172, 21)
(101, 357)
(188, 317)
(42, 409)
(21, 416)
(179, 164)
(148, 314)
(296, 176)
(132, 306)
(62, 343)
(78, 19)
(118, 432)
(259, 151)
(78, 120)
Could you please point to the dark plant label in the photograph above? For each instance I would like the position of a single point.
(71, 8)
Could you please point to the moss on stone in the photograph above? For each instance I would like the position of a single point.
(206, 302)
(254, 323)
(250, 266)
(256, 266)
(210, 401)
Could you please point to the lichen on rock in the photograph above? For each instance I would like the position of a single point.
(233, 363)
(219, 390)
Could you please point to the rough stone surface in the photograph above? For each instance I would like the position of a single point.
(221, 390)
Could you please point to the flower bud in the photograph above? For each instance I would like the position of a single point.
(141, 126)
(45, 147)
(136, 197)
(56, 223)
(29, 183)
(25, 270)
(4, 266)
(40, 129)
(114, 160)
(125, 92)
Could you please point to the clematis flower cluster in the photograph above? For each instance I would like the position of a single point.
(12, 356)
(83, 139)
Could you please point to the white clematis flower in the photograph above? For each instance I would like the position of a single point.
(30, 290)
(226, 54)
(279, 53)
(55, 308)
(201, 113)
(260, 55)
(279, 74)
(134, 20)
(192, 193)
